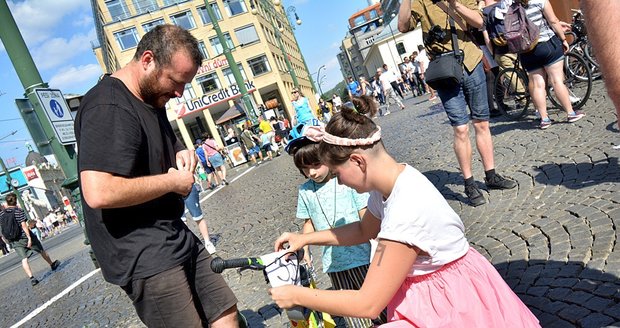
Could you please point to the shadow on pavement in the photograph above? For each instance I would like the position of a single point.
(565, 294)
(579, 175)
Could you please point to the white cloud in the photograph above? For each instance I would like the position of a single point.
(85, 20)
(76, 79)
(58, 51)
(332, 63)
(38, 19)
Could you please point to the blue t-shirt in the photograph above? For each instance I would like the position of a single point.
(355, 88)
(331, 205)
(302, 110)
(201, 155)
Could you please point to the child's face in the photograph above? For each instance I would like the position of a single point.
(319, 173)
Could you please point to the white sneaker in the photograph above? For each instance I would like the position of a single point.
(210, 247)
(574, 99)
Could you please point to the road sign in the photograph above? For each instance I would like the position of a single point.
(58, 113)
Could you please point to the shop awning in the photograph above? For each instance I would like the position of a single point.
(233, 112)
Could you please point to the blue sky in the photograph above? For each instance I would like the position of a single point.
(59, 33)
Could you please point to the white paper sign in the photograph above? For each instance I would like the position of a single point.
(280, 269)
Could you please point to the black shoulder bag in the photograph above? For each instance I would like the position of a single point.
(445, 70)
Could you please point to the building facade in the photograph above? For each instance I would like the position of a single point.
(259, 34)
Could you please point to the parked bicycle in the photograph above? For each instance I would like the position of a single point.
(511, 86)
(282, 268)
(580, 43)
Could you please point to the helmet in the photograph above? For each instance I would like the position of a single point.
(297, 137)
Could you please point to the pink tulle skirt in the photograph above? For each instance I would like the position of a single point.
(468, 292)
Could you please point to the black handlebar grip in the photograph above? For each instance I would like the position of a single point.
(218, 264)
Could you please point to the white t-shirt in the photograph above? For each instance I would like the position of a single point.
(416, 214)
(423, 59)
(385, 81)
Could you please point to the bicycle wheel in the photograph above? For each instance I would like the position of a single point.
(511, 93)
(588, 54)
(578, 81)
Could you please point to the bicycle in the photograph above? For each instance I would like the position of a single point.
(580, 43)
(511, 86)
(280, 270)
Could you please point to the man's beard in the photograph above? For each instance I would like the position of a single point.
(151, 92)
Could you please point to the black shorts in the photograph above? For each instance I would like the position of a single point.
(544, 54)
(187, 295)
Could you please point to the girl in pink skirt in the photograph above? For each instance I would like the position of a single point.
(423, 269)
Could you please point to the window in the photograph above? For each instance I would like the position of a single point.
(151, 25)
(184, 20)
(208, 82)
(246, 35)
(118, 9)
(259, 65)
(188, 94)
(203, 50)
(145, 6)
(235, 7)
(228, 75)
(373, 14)
(204, 15)
(127, 39)
(359, 20)
(217, 46)
(172, 2)
(400, 47)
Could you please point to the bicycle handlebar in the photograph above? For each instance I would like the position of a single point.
(218, 265)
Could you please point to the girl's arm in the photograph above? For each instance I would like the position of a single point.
(555, 24)
(351, 234)
(308, 227)
(388, 270)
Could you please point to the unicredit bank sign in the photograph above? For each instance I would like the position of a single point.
(208, 100)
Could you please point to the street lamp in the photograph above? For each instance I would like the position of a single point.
(318, 78)
(269, 6)
(393, 15)
(234, 68)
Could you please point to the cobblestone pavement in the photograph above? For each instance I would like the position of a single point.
(553, 238)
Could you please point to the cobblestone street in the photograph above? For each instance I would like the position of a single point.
(553, 238)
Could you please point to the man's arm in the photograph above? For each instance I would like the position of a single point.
(405, 19)
(471, 15)
(105, 190)
(602, 17)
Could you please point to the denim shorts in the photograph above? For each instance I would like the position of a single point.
(544, 54)
(253, 151)
(192, 202)
(216, 160)
(208, 169)
(472, 92)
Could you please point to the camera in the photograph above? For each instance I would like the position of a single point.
(436, 1)
(436, 33)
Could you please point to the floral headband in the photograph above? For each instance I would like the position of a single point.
(318, 134)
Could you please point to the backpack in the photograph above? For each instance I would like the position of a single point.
(494, 25)
(520, 33)
(11, 230)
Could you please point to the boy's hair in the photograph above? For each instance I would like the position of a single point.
(305, 156)
(350, 123)
(11, 199)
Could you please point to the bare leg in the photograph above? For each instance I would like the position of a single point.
(46, 257)
(228, 319)
(462, 149)
(556, 78)
(26, 267)
(204, 231)
(484, 143)
(537, 91)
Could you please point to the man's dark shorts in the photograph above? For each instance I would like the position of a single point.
(193, 294)
(22, 249)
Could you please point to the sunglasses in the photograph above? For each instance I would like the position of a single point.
(294, 92)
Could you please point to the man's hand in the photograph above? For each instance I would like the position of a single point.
(29, 243)
(184, 181)
(292, 239)
(186, 160)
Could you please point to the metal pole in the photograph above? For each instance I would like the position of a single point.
(234, 68)
(391, 53)
(318, 78)
(303, 60)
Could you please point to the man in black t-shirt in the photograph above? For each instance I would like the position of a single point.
(133, 175)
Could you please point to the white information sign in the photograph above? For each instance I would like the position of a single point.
(58, 113)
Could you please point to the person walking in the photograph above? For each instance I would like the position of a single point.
(192, 204)
(392, 78)
(248, 139)
(337, 102)
(388, 91)
(546, 61)
(353, 87)
(24, 241)
(133, 188)
(303, 112)
(214, 157)
(206, 166)
(422, 63)
(423, 270)
(471, 92)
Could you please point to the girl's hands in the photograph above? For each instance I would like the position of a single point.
(294, 241)
(284, 296)
(565, 46)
